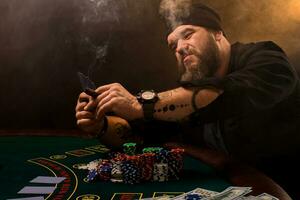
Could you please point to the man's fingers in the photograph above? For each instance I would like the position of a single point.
(86, 100)
(85, 122)
(113, 86)
(102, 96)
(83, 97)
(107, 107)
(80, 106)
(106, 99)
(85, 115)
(91, 106)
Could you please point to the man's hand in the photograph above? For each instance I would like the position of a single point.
(86, 115)
(115, 98)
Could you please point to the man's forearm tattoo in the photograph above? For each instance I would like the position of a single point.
(167, 94)
(123, 131)
(171, 107)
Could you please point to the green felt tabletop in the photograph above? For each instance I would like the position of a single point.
(24, 158)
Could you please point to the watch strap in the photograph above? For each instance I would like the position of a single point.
(148, 109)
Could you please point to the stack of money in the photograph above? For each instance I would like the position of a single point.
(231, 193)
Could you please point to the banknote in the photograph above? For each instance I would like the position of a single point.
(265, 196)
(247, 198)
(202, 192)
(230, 193)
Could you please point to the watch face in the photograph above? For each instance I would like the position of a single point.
(148, 95)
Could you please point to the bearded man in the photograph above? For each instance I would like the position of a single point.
(244, 98)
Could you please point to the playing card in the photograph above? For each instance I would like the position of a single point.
(86, 83)
(36, 190)
(47, 179)
(29, 198)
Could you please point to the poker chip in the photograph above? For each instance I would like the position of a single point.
(162, 156)
(116, 171)
(151, 149)
(175, 164)
(130, 172)
(160, 172)
(193, 197)
(92, 175)
(116, 180)
(147, 160)
(148, 150)
(93, 164)
(81, 166)
(104, 170)
(129, 148)
(154, 164)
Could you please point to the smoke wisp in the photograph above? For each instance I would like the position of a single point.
(101, 11)
(174, 10)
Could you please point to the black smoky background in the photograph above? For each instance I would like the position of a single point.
(44, 43)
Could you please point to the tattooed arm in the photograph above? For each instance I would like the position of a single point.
(174, 105)
(118, 132)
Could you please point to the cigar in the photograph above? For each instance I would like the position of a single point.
(91, 92)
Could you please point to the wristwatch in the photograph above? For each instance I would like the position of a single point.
(147, 98)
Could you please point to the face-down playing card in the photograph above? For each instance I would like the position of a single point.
(87, 85)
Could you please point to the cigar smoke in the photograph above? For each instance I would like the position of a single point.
(102, 11)
(95, 13)
(174, 10)
(99, 58)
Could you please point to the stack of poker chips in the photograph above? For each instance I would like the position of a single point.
(147, 161)
(131, 170)
(160, 172)
(116, 172)
(129, 148)
(175, 163)
(154, 164)
(104, 170)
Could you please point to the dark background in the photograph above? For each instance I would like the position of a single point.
(43, 43)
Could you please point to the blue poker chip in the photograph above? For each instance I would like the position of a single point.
(193, 197)
(92, 175)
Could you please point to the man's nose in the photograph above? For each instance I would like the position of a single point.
(182, 48)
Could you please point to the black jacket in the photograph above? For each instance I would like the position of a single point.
(259, 112)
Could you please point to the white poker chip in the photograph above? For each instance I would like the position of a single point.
(93, 164)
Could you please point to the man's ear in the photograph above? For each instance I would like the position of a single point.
(218, 35)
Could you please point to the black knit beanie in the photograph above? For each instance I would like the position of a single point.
(199, 15)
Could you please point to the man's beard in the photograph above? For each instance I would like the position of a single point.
(209, 63)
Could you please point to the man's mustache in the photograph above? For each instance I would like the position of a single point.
(184, 53)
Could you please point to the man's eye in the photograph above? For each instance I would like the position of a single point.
(188, 35)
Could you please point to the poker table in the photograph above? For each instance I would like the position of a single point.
(24, 158)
